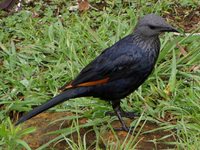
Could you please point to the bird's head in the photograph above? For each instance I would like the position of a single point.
(153, 25)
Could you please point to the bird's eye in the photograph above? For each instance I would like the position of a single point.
(152, 27)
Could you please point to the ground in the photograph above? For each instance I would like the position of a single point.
(146, 141)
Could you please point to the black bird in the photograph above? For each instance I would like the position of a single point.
(117, 71)
(8, 4)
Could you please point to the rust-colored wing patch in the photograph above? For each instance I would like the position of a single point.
(91, 83)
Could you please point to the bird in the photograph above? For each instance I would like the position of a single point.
(118, 71)
(8, 4)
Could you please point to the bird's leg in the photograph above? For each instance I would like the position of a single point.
(117, 109)
(130, 115)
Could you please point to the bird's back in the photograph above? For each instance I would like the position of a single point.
(125, 64)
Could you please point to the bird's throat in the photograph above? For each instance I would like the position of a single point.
(147, 43)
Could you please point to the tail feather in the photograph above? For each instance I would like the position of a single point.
(66, 95)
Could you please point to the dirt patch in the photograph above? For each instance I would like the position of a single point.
(41, 122)
(187, 18)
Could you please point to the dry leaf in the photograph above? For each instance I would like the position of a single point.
(167, 90)
(35, 14)
(195, 68)
(182, 49)
(82, 5)
(73, 8)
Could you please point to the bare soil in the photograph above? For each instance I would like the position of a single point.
(40, 137)
(186, 18)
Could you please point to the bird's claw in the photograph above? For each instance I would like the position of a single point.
(130, 115)
(127, 129)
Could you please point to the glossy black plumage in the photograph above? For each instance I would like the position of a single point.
(118, 70)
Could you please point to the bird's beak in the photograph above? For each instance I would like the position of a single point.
(169, 29)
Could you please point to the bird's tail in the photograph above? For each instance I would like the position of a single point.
(66, 95)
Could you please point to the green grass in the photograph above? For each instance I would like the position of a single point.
(40, 54)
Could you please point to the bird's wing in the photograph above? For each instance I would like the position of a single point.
(115, 62)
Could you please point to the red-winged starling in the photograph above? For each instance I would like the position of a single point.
(118, 70)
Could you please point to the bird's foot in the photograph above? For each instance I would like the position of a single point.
(127, 129)
(130, 115)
